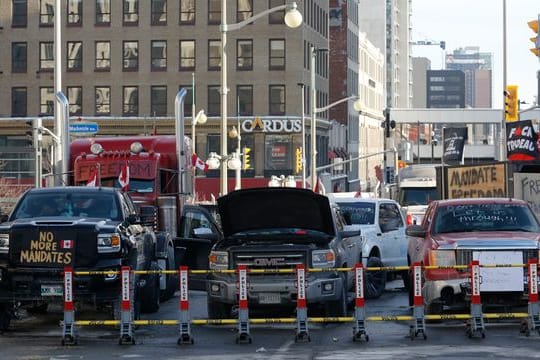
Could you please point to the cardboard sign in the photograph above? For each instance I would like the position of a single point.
(487, 180)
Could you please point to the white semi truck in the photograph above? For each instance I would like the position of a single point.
(417, 186)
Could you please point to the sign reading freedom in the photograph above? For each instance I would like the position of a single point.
(487, 180)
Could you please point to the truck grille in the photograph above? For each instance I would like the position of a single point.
(269, 260)
(53, 246)
(465, 256)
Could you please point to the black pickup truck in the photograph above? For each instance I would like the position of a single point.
(86, 228)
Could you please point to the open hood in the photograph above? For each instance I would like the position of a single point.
(272, 208)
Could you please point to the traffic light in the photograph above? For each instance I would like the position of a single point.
(30, 133)
(298, 167)
(536, 39)
(511, 103)
(246, 152)
(387, 124)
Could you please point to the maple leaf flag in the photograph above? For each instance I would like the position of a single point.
(92, 179)
(198, 163)
(123, 177)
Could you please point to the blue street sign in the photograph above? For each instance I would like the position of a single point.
(80, 127)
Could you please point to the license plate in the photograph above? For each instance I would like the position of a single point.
(52, 290)
(269, 298)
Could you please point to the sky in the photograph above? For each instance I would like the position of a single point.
(480, 23)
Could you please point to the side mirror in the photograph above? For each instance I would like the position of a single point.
(350, 231)
(415, 231)
(133, 219)
(3, 218)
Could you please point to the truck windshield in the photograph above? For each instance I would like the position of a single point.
(358, 213)
(417, 196)
(485, 217)
(135, 185)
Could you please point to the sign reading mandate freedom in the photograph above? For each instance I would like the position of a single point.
(487, 180)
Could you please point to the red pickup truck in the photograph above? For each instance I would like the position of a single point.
(455, 232)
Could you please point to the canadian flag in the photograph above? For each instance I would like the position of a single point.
(123, 177)
(198, 163)
(93, 179)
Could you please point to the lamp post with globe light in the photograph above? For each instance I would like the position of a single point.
(200, 119)
(293, 19)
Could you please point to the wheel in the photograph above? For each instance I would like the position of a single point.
(337, 308)
(38, 308)
(375, 280)
(150, 293)
(406, 279)
(218, 310)
(172, 279)
(6, 314)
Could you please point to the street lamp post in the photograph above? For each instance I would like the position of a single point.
(200, 119)
(303, 138)
(234, 133)
(315, 110)
(293, 19)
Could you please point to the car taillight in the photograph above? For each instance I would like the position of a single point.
(410, 219)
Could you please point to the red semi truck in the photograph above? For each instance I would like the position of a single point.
(153, 181)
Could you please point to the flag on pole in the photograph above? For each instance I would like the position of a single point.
(93, 178)
(198, 163)
(123, 177)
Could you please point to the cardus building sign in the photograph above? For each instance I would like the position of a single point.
(272, 125)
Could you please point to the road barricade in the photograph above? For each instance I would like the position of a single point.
(475, 325)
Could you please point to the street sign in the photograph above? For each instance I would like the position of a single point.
(83, 127)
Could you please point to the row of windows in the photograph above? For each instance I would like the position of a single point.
(131, 99)
(158, 55)
(131, 9)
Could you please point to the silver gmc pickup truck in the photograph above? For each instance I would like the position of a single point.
(279, 228)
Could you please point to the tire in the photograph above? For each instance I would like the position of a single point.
(38, 309)
(375, 280)
(150, 293)
(172, 281)
(406, 279)
(218, 310)
(337, 308)
(6, 314)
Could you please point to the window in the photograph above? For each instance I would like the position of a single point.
(187, 55)
(276, 54)
(214, 100)
(74, 56)
(75, 100)
(277, 100)
(245, 100)
(188, 100)
(158, 101)
(103, 100)
(159, 55)
(214, 54)
(19, 57)
(19, 17)
(130, 101)
(187, 12)
(244, 57)
(103, 12)
(131, 56)
(214, 12)
(244, 10)
(276, 17)
(159, 12)
(103, 55)
(74, 15)
(46, 13)
(18, 101)
(46, 56)
(131, 12)
(46, 101)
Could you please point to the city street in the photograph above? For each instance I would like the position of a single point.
(40, 338)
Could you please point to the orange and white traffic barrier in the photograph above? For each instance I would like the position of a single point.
(243, 336)
(476, 324)
(419, 324)
(185, 319)
(69, 336)
(302, 333)
(126, 306)
(359, 302)
(533, 320)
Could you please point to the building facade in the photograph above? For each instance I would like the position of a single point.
(128, 59)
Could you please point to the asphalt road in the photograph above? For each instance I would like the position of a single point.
(39, 338)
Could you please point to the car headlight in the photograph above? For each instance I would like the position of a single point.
(442, 258)
(218, 260)
(4, 243)
(323, 258)
(108, 243)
